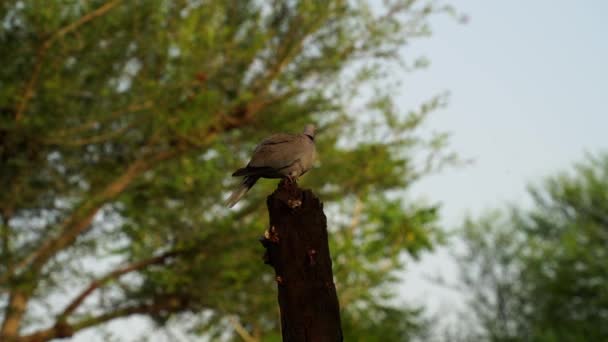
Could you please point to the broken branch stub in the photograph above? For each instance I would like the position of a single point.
(298, 250)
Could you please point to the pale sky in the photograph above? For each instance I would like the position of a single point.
(529, 91)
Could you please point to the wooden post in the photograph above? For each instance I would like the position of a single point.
(297, 248)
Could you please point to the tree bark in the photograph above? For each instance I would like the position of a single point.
(297, 248)
(13, 314)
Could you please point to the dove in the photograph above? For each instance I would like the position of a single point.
(281, 155)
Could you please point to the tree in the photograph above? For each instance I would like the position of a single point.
(120, 122)
(542, 274)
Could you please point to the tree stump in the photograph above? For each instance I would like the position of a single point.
(297, 248)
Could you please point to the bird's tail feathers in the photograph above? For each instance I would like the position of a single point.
(241, 190)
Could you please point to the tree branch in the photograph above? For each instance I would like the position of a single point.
(63, 134)
(14, 313)
(288, 52)
(65, 330)
(31, 84)
(90, 140)
(240, 330)
(81, 220)
(72, 227)
(5, 232)
(82, 217)
(113, 275)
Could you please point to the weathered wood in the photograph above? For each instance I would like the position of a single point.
(297, 248)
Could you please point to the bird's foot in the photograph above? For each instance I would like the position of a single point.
(289, 181)
(294, 203)
(293, 193)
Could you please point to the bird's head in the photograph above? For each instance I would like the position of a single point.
(310, 130)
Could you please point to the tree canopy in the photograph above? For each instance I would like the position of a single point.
(121, 121)
(541, 274)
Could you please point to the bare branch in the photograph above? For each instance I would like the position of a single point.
(64, 329)
(114, 275)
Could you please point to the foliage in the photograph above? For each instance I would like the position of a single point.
(120, 122)
(542, 274)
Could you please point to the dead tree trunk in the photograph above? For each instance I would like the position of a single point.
(297, 248)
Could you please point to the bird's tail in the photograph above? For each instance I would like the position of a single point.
(242, 189)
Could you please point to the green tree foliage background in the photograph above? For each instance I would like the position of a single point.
(542, 274)
(120, 122)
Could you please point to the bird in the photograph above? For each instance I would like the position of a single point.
(281, 155)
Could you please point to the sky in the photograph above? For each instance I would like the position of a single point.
(529, 90)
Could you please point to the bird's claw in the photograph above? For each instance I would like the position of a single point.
(294, 203)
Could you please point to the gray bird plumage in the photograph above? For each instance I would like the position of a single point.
(280, 155)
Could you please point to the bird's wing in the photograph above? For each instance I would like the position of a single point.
(279, 151)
